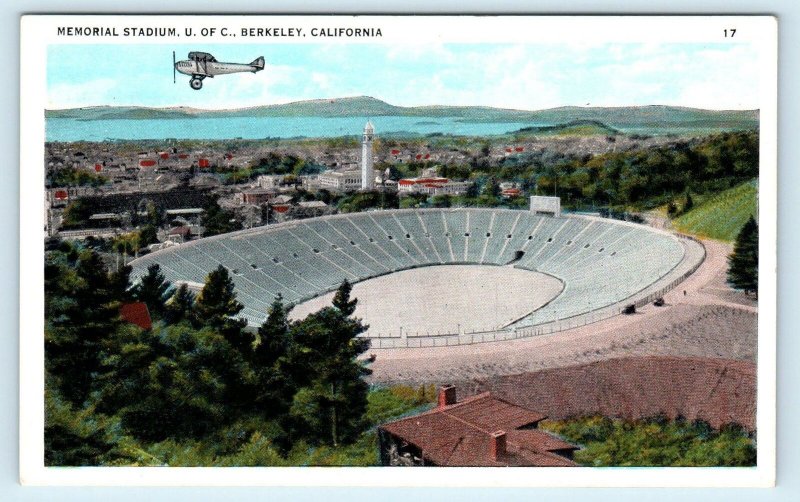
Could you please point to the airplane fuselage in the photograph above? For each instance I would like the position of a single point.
(209, 69)
(201, 65)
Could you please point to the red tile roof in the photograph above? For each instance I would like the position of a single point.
(136, 313)
(461, 434)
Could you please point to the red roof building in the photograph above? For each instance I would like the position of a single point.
(480, 431)
(511, 192)
(136, 313)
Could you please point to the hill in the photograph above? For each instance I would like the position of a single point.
(627, 117)
(723, 215)
(572, 128)
(718, 391)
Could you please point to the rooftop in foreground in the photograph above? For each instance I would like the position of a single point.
(480, 431)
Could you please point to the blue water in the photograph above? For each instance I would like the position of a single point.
(60, 129)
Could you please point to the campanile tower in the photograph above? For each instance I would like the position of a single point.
(367, 170)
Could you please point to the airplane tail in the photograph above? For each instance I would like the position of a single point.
(258, 64)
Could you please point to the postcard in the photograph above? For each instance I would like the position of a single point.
(314, 250)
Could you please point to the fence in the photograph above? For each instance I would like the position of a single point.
(693, 257)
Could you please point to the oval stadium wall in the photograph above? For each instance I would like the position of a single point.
(605, 265)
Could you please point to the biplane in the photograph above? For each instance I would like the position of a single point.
(202, 64)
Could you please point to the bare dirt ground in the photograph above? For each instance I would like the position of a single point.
(719, 391)
(702, 318)
(491, 297)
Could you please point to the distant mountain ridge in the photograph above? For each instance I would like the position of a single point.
(365, 106)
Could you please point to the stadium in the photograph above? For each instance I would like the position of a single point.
(444, 277)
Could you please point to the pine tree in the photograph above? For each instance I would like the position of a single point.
(82, 303)
(215, 308)
(332, 403)
(154, 290)
(273, 334)
(743, 262)
(341, 300)
(179, 306)
(274, 382)
(216, 304)
(76, 437)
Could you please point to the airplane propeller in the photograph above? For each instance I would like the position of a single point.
(173, 67)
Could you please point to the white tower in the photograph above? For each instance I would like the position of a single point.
(367, 170)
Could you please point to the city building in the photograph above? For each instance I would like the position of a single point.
(479, 431)
(432, 186)
(342, 181)
(256, 195)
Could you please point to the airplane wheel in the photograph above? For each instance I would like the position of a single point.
(196, 84)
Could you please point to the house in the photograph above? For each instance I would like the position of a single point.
(256, 196)
(433, 186)
(136, 313)
(479, 431)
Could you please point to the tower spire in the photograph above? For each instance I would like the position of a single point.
(367, 169)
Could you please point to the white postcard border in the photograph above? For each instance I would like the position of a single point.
(37, 32)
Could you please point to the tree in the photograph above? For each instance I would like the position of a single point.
(215, 308)
(76, 213)
(441, 201)
(216, 304)
(75, 437)
(273, 335)
(173, 382)
(274, 382)
(331, 405)
(342, 301)
(82, 303)
(154, 290)
(148, 235)
(492, 187)
(688, 203)
(743, 262)
(179, 306)
(218, 221)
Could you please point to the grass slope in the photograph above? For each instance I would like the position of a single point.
(653, 117)
(723, 215)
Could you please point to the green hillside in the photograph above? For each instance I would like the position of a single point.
(653, 119)
(723, 215)
(572, 128)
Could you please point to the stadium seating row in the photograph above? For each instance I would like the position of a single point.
(601, 262)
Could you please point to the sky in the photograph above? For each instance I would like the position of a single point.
(527, 77)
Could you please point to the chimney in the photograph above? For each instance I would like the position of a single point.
(447, 395)
(497, 445)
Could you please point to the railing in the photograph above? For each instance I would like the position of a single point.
(694, 257)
